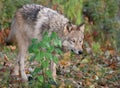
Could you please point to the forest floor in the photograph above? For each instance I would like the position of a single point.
(93, 69)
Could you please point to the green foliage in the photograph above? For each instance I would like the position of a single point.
(96, 48)
(72, 8)
(4, 79)
(118, 39)
(45, 51)
(7, 10)
(103, 13)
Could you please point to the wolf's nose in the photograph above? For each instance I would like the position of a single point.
(80, 52)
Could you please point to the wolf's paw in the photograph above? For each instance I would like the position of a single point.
(24, 77)
(30, 78)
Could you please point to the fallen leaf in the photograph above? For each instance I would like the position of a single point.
(12, 47)
(112, 52)
(85, 60)
(79, 75)
(62, 85)
(6, 58)
(64, 63)
(67, 56)
(88, 82)
(113, 65)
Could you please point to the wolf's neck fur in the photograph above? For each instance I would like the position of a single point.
(52, 18)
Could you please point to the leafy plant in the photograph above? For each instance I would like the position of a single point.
(103, 14)
(7, 10)
(45, 51)
(72, 9)
(96, 48)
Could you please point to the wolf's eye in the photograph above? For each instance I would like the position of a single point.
(73, 41)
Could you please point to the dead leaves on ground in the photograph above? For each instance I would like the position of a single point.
(95, 70)
(3, 34)
(90, 70)
(79, 71)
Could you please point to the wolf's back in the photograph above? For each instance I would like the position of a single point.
(35, 19)
(30, 11)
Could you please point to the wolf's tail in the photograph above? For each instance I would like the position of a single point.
(9, 40)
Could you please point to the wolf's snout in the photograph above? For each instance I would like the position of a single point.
(80, 52)
(77, 52)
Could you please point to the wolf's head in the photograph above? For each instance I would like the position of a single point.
(74, 36)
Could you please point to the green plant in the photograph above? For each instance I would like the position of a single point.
(45, 51)
(71, 8)
(7, 10)
(103, 13)
(96, 48)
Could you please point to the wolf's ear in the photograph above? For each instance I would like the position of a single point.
(81, 27)
(67, 28)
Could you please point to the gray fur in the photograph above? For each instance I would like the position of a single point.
(42, 19)
(30, 12)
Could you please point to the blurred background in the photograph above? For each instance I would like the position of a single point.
(102, 17)
(99, 66)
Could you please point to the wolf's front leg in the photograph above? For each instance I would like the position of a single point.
(53, 69)
(22, 68)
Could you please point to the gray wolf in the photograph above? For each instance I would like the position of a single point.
(31, 21)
